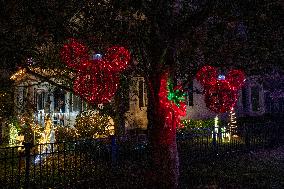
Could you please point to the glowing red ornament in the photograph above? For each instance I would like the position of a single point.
(74, 53)
(220, 93)
(96, 88)
(207, 76)
(97, 80)
(236, 79)
(220, 97)
(117, 58)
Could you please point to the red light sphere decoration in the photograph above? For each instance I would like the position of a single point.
(221, 92)
(98, 78)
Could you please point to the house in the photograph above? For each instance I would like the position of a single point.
(255, 99)
(43, 99)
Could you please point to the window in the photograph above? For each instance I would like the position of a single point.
(40, 100)
(255, 98)
(35, 98)
(244, 99)
(59, 100)
(75, 103)
(268, 102)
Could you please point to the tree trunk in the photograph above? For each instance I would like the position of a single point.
(162, 140)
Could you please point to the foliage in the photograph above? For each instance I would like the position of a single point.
(65, 134)
(91, 124)
(199, 127)
(206, 123)
(26, 128)
(226, 34)
(6, 102)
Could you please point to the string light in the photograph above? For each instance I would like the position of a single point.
(97, 56)
(175, 94)
(97, 79)
(207, 76)
(18, 75)
(221, 77)
(94, 125)
(13, 134)
(221, 92)
(232, 123)
(73, 53)
(171, 106)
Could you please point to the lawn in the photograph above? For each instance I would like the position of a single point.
(259, 169)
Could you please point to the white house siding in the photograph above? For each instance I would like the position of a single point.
(199, 110)
(136, 117)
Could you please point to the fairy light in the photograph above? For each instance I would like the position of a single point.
(221, 92)
(97, 79)
(172, 107)
(97, 56)
(13, 134)
(73, 53)
(94, 125)
(18, 75)
(232, 123)
(221, 77)
(216, 127)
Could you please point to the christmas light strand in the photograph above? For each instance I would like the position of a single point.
(171, 102)
(98, 78)
(221, 92)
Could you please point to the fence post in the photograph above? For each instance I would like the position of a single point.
(28, 147)
(113, 150)
(214, 141)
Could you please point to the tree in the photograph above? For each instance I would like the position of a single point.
(174, 36)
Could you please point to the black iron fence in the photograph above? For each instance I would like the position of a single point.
(201, 143)
(68, 164)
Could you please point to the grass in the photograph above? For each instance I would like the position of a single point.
(261, 169)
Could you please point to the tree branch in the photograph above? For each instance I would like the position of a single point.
(50, 81)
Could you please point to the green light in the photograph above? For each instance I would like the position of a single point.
(175, 95)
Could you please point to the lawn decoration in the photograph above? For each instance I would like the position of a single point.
(221, 92)
(98, 78)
